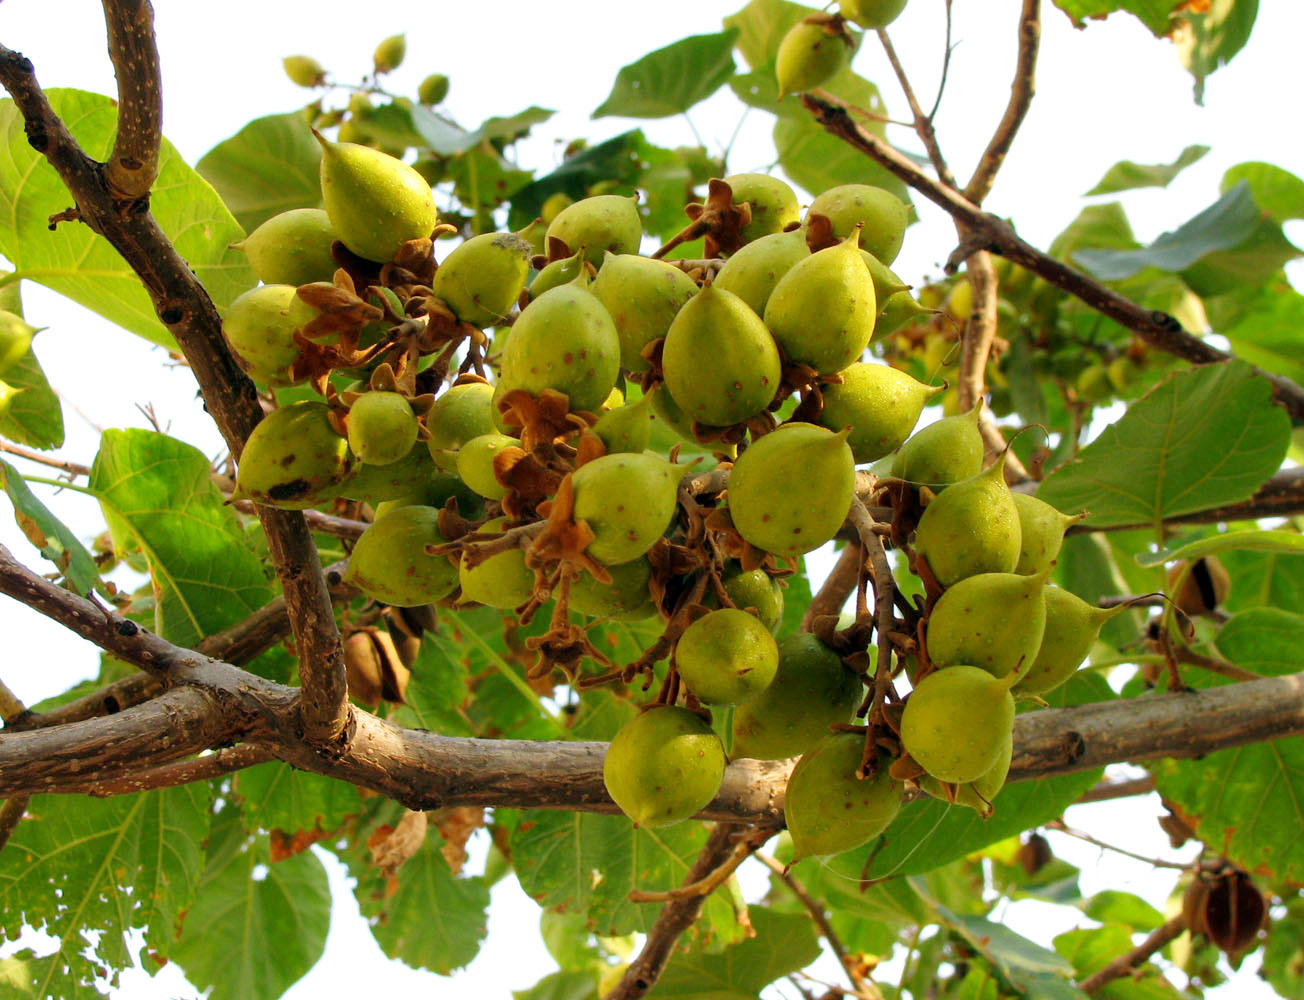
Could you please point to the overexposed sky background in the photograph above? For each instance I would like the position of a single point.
(1103, 94)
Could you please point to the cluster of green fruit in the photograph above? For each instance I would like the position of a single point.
(538, 484)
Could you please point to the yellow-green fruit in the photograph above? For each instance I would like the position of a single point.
(1072, 626)
(292, 248)
(720, 361)
(598, 224)
(7, 396)
(1041, 530)
(410, 476)
(884, 215)
(475, 463)
(433, 89)
(944, 452)
(559, 272)
(459, 414)
(811, 691)
(960, 302)
(260, 327)
(896, 312)
(628, 500)
(552, 206)
(294, 459)
(773, 204)
(881, 405)
(755, 588)
(643, 296)
(15, 339)
(626, 428)
(992, 620)
(563, 340)
(482, 278)
(625, 598)
(389, 53)
(809, 57)
(790, 491)
(375, 201)
(390, 563)
(827, 808)
(956, 722)
(727, 657)
(822, 310)
(501, 581)
(978, 794)
(871, 14)
(382, 427)
(886, 283)
(671, 414)
(971, 527)
(753, 271)
(304, 70)
(663, 766)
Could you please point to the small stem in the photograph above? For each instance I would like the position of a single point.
(702, 887)
(1108, 790)
(72, 468)
(923, 123)
(1060, 826)
(1126, 964)
(837, 587)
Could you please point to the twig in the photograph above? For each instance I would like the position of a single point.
(1021, 92)
(837, 586)
(860, 986)
(1108, 790)
(1215, 666)
(1060, 826)
(72, 468)
(133, 165)
(11, 706)
(702, 887)
(1127, 964)
(989, 232)
(923, 122)
(328, 524)
(884, 589)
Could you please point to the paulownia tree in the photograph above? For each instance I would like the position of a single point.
(282, 680)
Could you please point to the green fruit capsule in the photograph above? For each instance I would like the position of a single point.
(827, 808)
(756, 589)
(559, 272)
(773, 204)
(992, 620)
(896, 312)
(501, 581)
(944, 452)
(7, 396)
(563, 340)
(822, 310)
(753, 271)
(375, 201)
(880, 404)
(259, 326)
(671, 414)
(459, 414)
(978, 794)
(643, 296)
(871, 14)
(475, 463)
(382, 427)
(628, 500)
(292, 248)
(809, 57)
(971, 527)
(882, 216)
(1042, 529)
(626, 428)
(408, 477)
(811, 691)
(663, 766)
(433, 89)
(294, 459)
(768, 512)
(15, 339)
(304, 71)
(956, 722)
(482, 278)
(390, 563)
(720, 362)
(727, 657)
(886, 283)
(624, 599)
(1072, 627)
(389, 53)
(604, 222)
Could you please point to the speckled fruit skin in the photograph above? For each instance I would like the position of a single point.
(501, 581)
(1072, 626)
(827, 808)
(811, 691)
(753, 271)
(992, 620)
(773, 204)
(971, 527)
(721, 364)
(879, 403)
(727, 657)
(389, 564)
(885, 217)
(663, 766)
(790, 491)
(564, 340)
(977, 794)
(481, 279)
(382, 427)
(628, 500)
(292, 248)
(460, 413)
(755, 588)
(605, 222)
(624, 599)
(808, 57)
(643, 296)
(376, 202)
(475, 463)
(259, 325)
(294, 459)
(1041, 530)
(944, 452)
(628, 427)
(956, 721)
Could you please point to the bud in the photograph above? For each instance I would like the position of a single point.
(389, 53)
(304, 70)
(433, 89)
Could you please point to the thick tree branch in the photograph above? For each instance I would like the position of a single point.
(837, 586)
(190, 315)
(1021, 91)
(988, 232)
(13, 808)
(133, 165)
(109, 700)
(227, 760)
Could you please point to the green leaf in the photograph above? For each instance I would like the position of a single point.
(1029, 967)
(1100, 226)
(616, 159)
(1283, 957)
(436, 694)
(1247, 803)
(1278, 192)
(256, 927)
(1115, 907)
(50, 535)
(80, 867)
(1253, 540)
(206, 573)
(1251, 262)
(272, 165)
(1262, 325)
(1091, 949)
(1154, 14)
(761, 26)
(572, 985)
(671, 79)
(1209, 40)
(1227, 223)
(1263, 579)
(75, 262)
(277, 797)
(1126, 175)
(784, 943)
(35, 416)
(1201, 438)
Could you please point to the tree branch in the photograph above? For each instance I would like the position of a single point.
(185, 308)
(1129, 963)
(1280, 496)
(923, 122)
(988, 232)
(133, 165)
(837, 586)
(227, 760)
(13, 808)
(109, 700)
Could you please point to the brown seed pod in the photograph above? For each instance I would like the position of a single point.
(1223, 904)
(374, 668)
(1203, 588)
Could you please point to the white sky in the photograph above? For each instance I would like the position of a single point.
(1108, 93)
